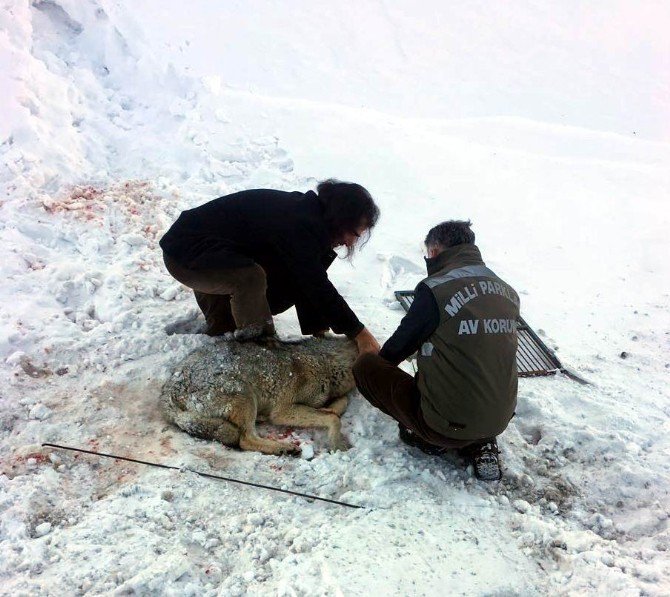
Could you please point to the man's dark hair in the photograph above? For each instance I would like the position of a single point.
(346, 206)
(450, 234)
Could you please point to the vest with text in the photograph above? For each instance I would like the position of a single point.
(467, 372)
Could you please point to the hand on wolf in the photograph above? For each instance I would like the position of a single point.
(340, 444)
(367, 342)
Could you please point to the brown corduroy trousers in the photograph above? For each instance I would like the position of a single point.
(395, 393)
(230, 299)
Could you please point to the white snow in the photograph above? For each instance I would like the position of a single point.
(545, 124)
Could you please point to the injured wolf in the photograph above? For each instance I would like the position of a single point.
(220, 390)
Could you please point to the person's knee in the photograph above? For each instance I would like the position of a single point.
(243, 281)
(252, 279)
(363, 365)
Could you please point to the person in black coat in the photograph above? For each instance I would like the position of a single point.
(253, 254)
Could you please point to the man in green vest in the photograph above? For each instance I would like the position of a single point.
(462, 323)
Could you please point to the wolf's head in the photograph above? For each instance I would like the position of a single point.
(330, 360)
(338, 356)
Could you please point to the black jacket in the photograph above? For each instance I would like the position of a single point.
(285, 234)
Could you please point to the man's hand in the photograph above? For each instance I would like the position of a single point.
(367, 342)
(320, 333)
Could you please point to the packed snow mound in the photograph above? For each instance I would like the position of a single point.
(84, 86)
(115, 120)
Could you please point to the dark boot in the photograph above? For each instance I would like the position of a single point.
(256, 331)
(485, 459)
(217, 312)
(407, 436)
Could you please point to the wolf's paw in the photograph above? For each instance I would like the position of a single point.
(339, 444)
(291, 450)
(336, 407)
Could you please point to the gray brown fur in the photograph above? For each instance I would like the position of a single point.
(219, 391)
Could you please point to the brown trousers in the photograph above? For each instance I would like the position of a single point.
(395, 393)
(229, 298)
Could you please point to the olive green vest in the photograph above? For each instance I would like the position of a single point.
(467, 369)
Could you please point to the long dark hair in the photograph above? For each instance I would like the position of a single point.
(346, 206)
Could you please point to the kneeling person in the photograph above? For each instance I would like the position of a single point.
(463, 325)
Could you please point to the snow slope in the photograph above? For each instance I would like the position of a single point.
(118, 119)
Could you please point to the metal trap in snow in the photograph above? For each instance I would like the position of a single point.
(533, 357)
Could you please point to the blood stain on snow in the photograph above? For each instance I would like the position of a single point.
(19, 464)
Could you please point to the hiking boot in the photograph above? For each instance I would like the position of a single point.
(407, 436)
(485, 460)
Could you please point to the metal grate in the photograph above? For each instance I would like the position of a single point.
(533, 357)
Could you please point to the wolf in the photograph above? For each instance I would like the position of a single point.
(220, 390)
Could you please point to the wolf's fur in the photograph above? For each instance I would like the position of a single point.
(220, 390)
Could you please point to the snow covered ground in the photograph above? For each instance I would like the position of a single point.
(546, 125)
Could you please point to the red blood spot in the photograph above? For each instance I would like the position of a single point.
(39, 457)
